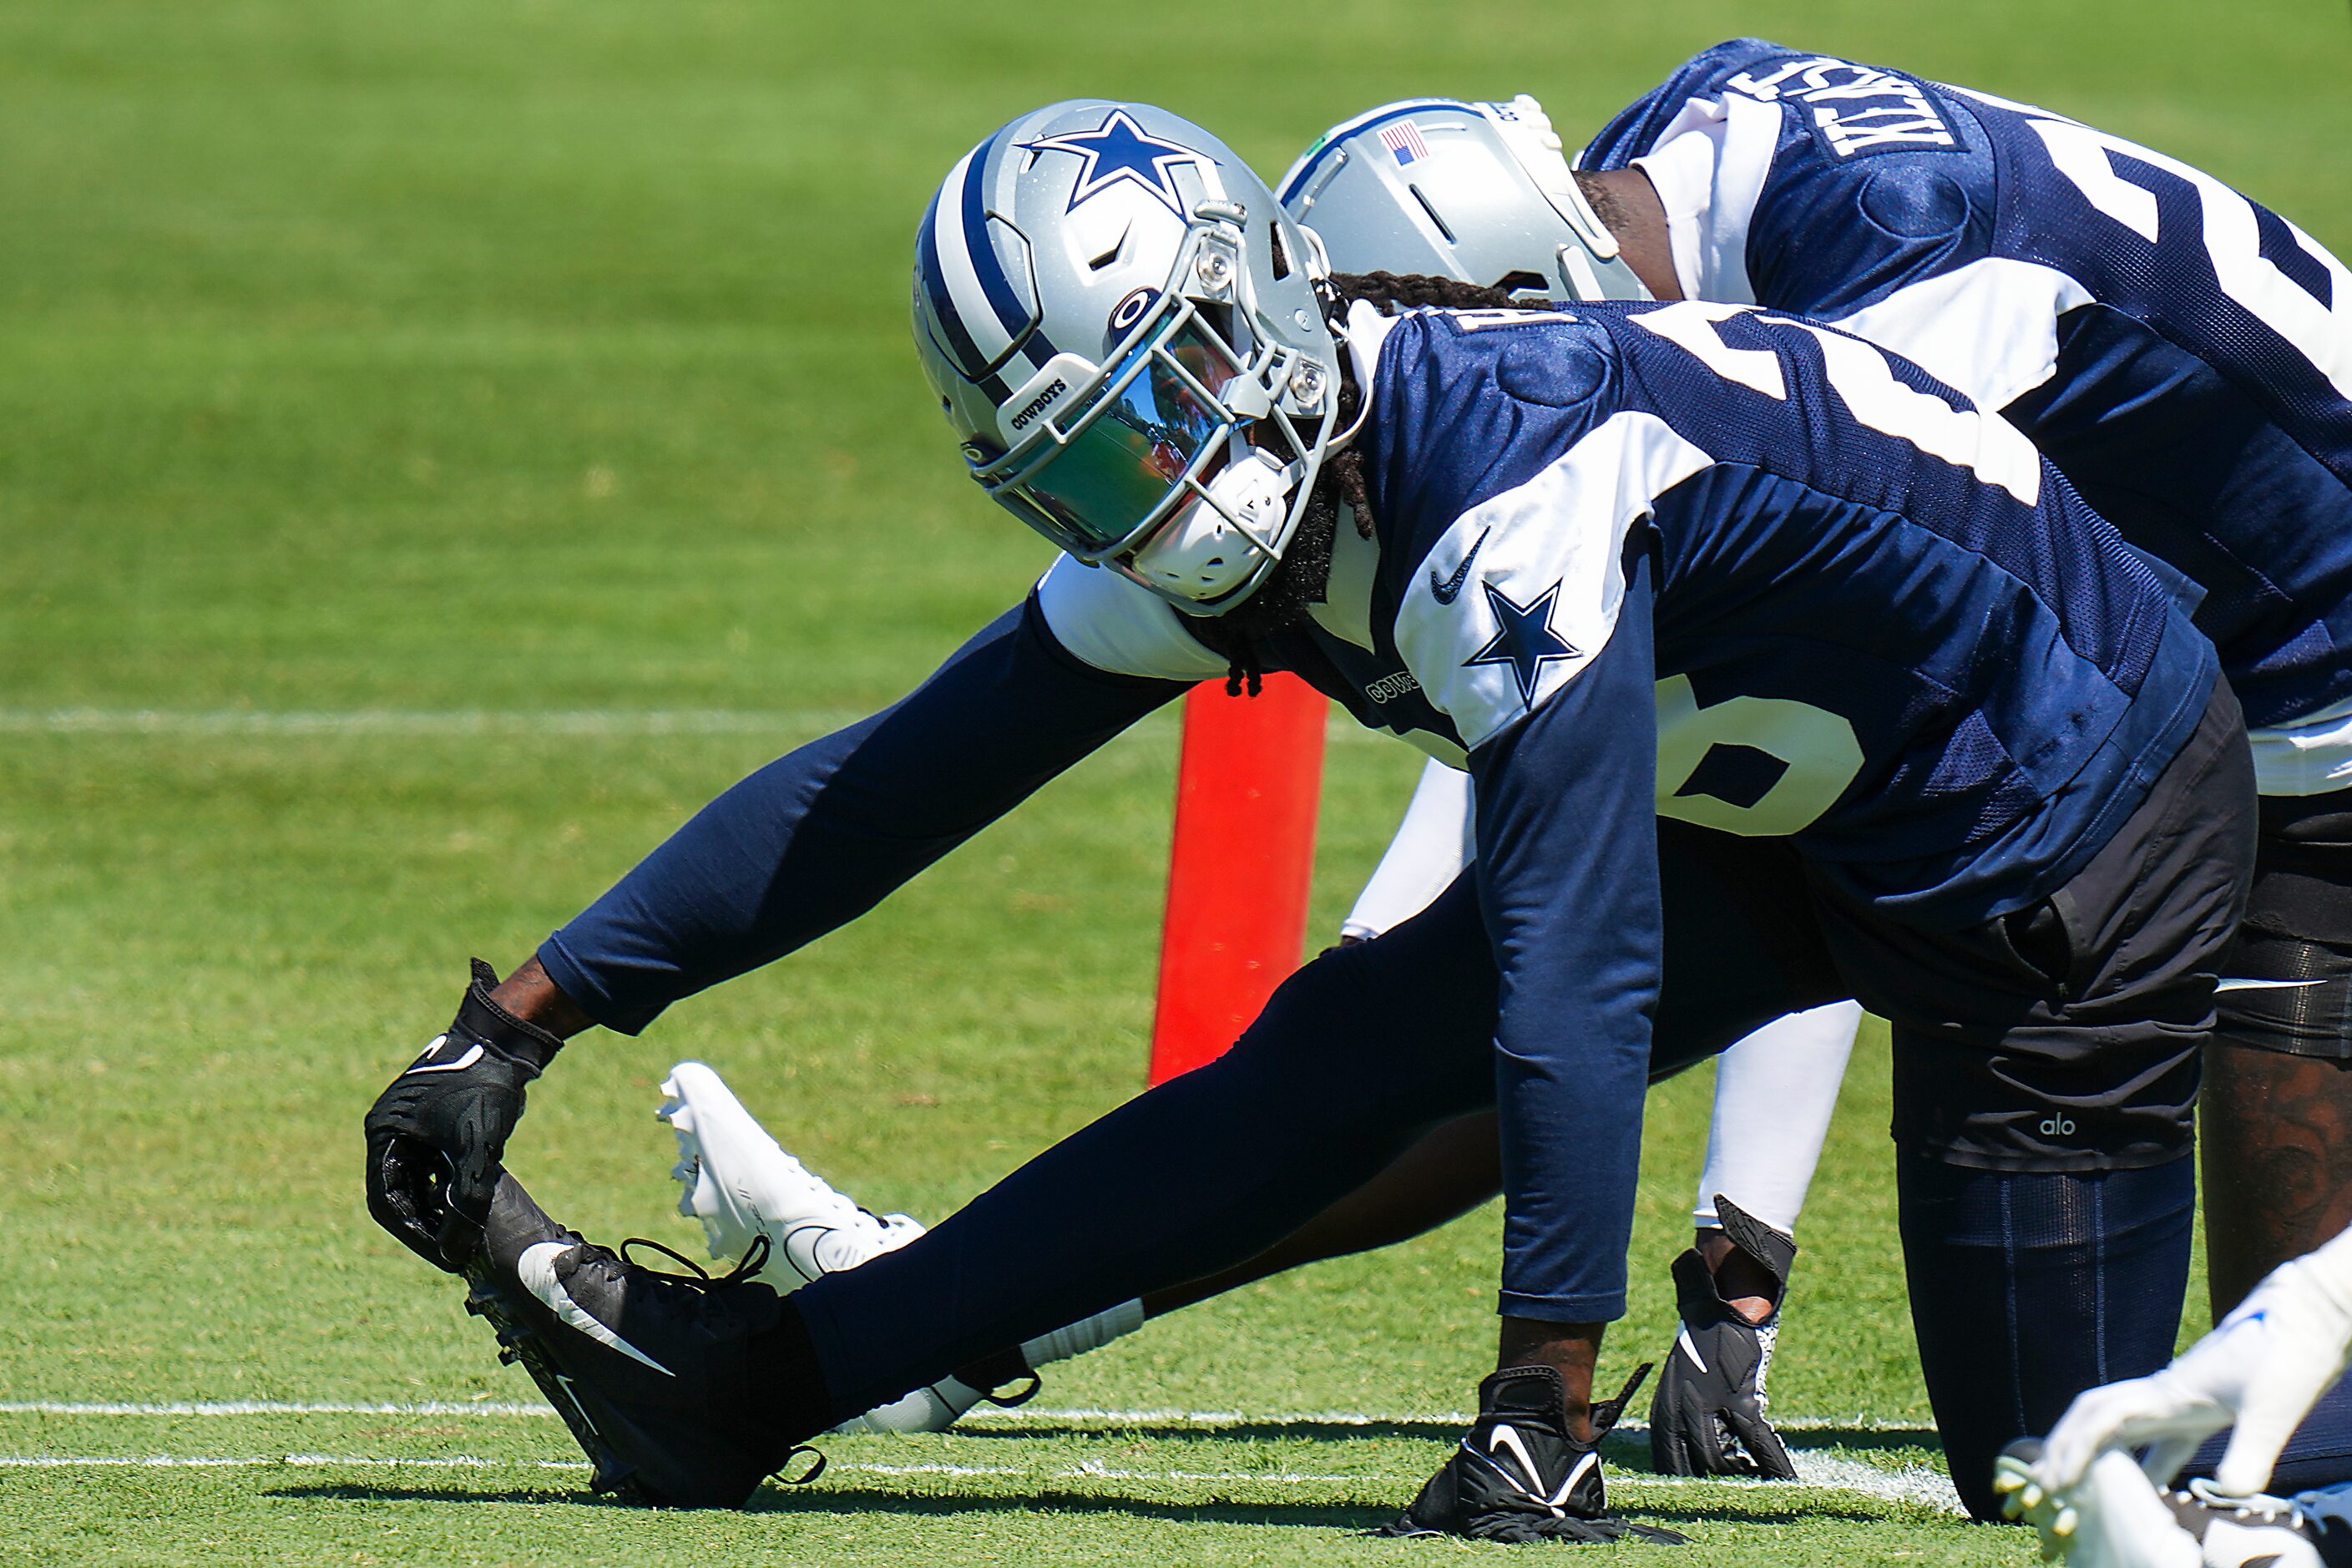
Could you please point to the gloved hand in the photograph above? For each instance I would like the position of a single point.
(2262, 1370)
(1709, 1415)
(435, 1137)
(2116, 1519)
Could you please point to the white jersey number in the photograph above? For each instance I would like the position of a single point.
(1986, 445)
(1817, 749)
(2321, 332)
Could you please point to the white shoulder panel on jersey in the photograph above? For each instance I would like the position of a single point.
(1989, 328)
(1531, 580)
(1102, 619)
(1709, 166)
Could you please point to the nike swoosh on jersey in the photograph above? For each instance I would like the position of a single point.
(2265, 985)
(1445, 590)
(536, 1270)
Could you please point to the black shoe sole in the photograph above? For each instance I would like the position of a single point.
(518, 1345)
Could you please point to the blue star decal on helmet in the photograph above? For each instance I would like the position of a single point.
(1120, 149)
(1523, 638)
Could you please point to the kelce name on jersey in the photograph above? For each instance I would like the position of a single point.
(1856, 109)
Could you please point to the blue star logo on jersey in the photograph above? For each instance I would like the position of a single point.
(1523, 638)
(1118, 149)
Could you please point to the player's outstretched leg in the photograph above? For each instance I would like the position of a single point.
(686, 1392)
(743, 1185)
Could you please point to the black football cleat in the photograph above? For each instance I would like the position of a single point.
(1518, 1476)
(1708, 1417)
(673, 1385)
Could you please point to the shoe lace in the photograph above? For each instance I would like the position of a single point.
(754, 1259)
(2261, 1508)
(1024, 1391)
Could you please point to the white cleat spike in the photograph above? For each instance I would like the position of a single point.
(740, 1183)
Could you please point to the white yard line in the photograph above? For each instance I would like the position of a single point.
(398, 721)
(1826, 1471)
(394, 721)
(1020, 1416)
(263, 1408)
(1820, 1472)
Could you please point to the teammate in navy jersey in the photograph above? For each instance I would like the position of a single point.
(2022, 833)
(2181, 353)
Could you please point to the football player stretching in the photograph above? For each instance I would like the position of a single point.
(2022, 830)
(2181, 354)
(2134, 316)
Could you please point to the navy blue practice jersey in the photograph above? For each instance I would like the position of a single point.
(2183, 354)
(1694, 559)
(1718, 563)
(1884, 625)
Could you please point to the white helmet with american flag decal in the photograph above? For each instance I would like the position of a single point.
(1125, 330)
(1480, 192)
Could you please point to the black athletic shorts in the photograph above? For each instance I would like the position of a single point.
(2286, 983)
(2065, 1037)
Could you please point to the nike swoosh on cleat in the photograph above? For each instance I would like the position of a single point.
(2265, 985)
(1505, 1438)
(536, 1270)
(1445, 590)
(1689, 1348)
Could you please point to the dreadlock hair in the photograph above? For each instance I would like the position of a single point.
(1301, 577)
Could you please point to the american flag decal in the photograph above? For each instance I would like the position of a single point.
(1403, 139)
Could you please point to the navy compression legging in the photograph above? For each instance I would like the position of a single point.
(1356, 1056)
(2026, 1289)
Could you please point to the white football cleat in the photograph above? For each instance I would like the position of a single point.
(2118, 1518)
(739, 1183)
(2115, 1519)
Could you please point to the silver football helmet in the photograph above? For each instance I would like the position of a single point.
(1479, 191)
(1124, 329)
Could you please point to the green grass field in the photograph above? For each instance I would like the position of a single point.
(446, 444)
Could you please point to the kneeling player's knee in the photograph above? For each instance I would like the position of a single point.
(2029, 1287)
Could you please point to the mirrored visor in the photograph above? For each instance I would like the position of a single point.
(1124, 455)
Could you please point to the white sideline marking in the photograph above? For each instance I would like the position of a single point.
(394, 721)
(486, 722)
(263, 1408)
(1824, 1471)
(1818, 1471)
(1020, 1416)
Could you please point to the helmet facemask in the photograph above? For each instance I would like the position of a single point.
(1130, 339)
(1184, 462)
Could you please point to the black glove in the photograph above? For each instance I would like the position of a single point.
(1708, 1417)
(1518, 1476)
(435, 1137)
